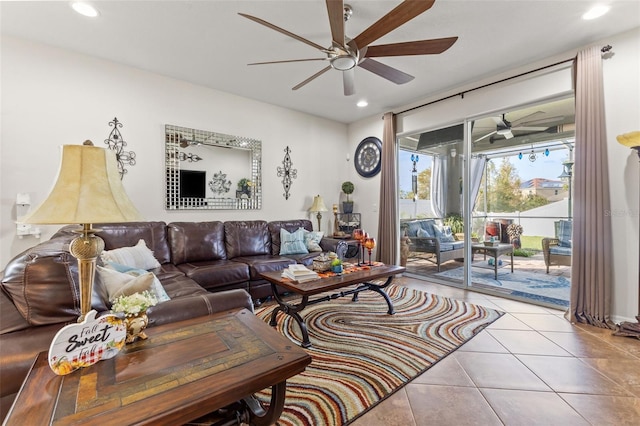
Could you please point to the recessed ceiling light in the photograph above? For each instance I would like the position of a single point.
(362, 103)
(596, 12)
(85, 9)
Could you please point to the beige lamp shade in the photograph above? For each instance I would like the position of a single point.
(318, 205)
(630, 140)
(88, 190)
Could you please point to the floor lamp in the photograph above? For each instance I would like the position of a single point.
(88, 190)
(631, 329)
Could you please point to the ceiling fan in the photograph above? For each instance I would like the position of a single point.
(345, 53)
(505, 128)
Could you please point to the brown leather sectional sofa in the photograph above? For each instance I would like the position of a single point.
(206, 267)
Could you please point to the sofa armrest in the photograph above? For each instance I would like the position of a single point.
(183, 308)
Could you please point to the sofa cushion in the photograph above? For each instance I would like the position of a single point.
(292, 242)
(247, 238)
(138, 256)
(289, 225)
(154, 234)
(448, 246)
(196, 241)
(564, 234)
(559, 250)
(212, 274)
(264, 263)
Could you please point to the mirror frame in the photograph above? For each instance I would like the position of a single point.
(178, 138)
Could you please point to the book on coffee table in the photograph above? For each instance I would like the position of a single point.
(299, 273)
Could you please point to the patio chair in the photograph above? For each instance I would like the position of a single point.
(557, 251)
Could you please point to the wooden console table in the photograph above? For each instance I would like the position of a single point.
(310, 288)
(183, 371)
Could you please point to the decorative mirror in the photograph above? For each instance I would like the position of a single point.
(214, 171)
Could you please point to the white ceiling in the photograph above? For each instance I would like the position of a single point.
(209, 44)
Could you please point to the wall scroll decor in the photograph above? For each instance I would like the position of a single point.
(190, 157)
(287, 173)
(117, 144)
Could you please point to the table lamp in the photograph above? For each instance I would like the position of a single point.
(631, 329)
(318, 207)
(88, 190)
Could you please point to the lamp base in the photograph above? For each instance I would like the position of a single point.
(86, 248)
(628, 329)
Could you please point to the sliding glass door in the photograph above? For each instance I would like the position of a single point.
(496, 190)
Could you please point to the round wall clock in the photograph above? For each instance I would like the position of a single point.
(368, 156)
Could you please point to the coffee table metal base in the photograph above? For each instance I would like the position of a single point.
(293, 310)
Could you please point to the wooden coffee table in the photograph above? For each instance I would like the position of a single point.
(495, 252)
(183, 371)
(325, 284)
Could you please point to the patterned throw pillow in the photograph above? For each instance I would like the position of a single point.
(292, 242)
(138, 256)
(312, 239)
(443, 234)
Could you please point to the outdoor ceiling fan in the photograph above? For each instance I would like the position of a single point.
(505, 128)
(345, 53)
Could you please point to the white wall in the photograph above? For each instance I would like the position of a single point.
(622, 96)
(52, 97)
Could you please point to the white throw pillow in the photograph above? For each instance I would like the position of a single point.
(122, 284)
(138, 256)
(156, 288)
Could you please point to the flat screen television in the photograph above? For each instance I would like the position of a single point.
(193, 184)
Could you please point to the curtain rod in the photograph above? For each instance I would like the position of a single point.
(461, 94)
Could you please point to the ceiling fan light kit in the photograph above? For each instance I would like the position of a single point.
(346, 54)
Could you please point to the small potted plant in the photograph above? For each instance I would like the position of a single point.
(336, 266)
(347, 188)
(244, 187)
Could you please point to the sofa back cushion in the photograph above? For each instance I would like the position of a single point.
(196, 241)
(247, 238)
(42, 283)
(564, 233)
(289, 225)
(154, 234)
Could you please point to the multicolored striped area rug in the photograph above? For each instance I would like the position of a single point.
(361, 355)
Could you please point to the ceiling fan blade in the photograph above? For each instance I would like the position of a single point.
(486, 136)
(318, 74)
(286, 61)
(335, 8)
(385, 71)
(348, 81)
(401, 14)
(421, 47)
(531, 129)
(283, 31)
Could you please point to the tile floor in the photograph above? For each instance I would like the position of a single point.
(530, 367)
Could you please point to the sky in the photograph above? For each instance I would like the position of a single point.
(548, 167)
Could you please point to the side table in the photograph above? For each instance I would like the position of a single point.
(183, 371)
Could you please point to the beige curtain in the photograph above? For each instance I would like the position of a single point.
(591, 255)
(387, 250)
